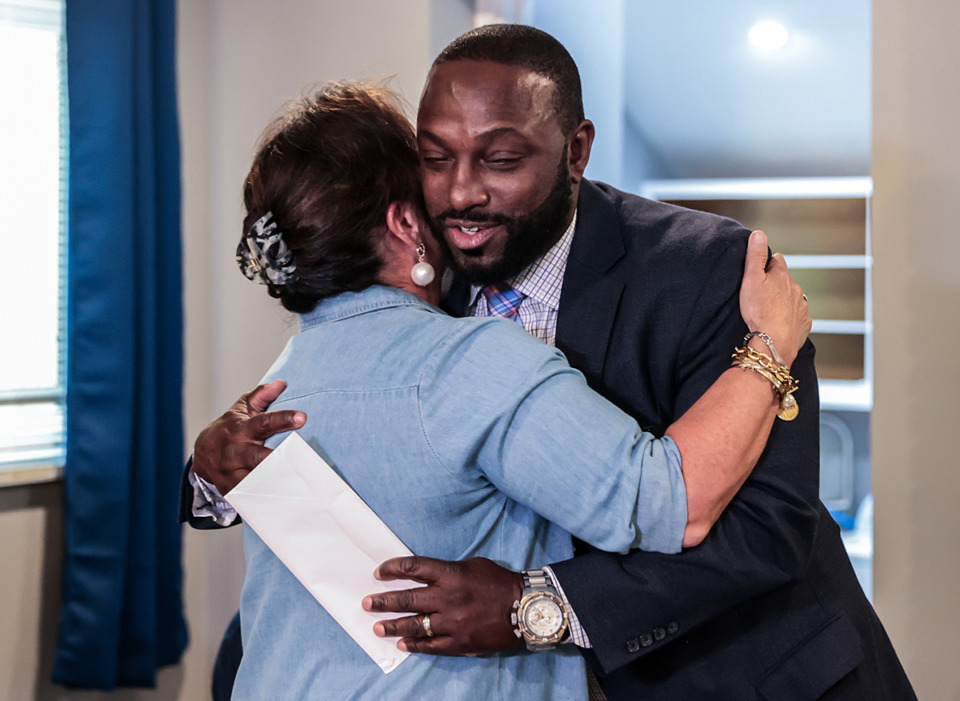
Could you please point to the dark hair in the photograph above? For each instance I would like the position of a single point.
(530, 48)
(328, 169)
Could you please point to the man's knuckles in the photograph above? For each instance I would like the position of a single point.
(409, 627)
(394, 601)
(266, 425)
(409, 566)
(425, 645)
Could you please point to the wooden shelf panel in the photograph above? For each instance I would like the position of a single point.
(829, 226)
(839, 356)
(833, 293)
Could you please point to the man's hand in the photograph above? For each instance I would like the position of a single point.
(469, 604)
(232, 445)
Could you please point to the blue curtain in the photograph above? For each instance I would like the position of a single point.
(122, 614)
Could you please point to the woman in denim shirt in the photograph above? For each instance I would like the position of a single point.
(468, 437)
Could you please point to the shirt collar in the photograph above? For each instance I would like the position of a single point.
(371, 299)
(542, 280)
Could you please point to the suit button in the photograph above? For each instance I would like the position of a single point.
(633, 645)
(672, 627)
(659, 634)
(646, 640)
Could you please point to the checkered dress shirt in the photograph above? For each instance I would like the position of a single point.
(541, 283)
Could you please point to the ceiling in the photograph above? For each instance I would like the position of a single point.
(704, 102)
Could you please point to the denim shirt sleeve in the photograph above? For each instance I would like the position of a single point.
(495, 400)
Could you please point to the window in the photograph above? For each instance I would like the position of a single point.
(33, 194)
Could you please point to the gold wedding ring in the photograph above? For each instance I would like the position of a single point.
(426, 626)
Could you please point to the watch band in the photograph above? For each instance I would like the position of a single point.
(537, 580)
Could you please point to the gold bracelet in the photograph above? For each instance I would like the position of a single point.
(784, 385)
(751, 357)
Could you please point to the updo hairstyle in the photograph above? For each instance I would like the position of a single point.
(328, 169)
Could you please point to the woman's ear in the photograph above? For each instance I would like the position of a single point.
(404, 223)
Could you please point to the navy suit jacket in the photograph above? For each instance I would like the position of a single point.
(768, 607)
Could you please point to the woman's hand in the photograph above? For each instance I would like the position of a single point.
(773, 302)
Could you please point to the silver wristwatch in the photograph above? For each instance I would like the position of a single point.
(541, 616)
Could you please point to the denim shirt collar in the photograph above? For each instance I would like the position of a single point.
(372, 299)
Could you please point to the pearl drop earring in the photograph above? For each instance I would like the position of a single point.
(422, 273)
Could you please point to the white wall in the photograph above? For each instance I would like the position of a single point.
(916, 246)
(30, 552)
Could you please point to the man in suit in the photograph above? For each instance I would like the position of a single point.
(642, 298)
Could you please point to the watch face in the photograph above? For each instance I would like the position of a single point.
(542, 616)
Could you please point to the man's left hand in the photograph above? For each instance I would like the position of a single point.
(469, 604)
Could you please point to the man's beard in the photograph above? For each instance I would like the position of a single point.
(528, 236)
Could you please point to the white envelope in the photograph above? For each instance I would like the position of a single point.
(326, 536)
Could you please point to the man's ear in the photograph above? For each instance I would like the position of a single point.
(579, 152)
(403, 222)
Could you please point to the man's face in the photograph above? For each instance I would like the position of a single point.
(494, 164)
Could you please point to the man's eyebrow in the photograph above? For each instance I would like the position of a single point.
(425, 134)
(485, 136)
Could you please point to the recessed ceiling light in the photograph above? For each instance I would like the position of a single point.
(768, 35)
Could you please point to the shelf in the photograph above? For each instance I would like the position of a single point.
(16, 477)
(846, 395)
(758, 188)
(827, 262)
(856, 327)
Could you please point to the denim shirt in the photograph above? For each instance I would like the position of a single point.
(468, 437)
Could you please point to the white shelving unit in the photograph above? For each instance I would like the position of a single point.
(822, 226)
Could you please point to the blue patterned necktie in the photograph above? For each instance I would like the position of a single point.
(503, 301)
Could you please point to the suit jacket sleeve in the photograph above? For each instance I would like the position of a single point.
(631, 605)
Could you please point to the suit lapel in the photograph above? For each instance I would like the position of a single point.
(457, 298)
(589, 298)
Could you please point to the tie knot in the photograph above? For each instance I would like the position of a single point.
(503, 300)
